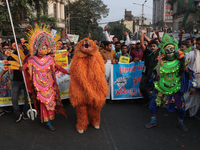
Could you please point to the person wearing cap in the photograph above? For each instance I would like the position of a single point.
(137, 53)
(131, 46)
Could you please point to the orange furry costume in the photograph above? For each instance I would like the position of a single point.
(88, 87)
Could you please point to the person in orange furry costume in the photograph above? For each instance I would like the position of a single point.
(88, 87)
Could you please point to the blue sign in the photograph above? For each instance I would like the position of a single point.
(125, 80)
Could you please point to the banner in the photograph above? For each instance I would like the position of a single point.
(63, 61)
(74, 38)
(108, 79)
(6, 85)
(125, 80)
(63, 81)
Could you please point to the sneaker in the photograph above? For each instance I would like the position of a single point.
(25, 116)
(150, 125)
(1, 113)
(182, 127)
(18, 118)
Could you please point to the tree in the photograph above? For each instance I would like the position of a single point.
(20, 11)
(97, 34)
(39, 6)
(85, 16)
(117, 29)
(47, 19)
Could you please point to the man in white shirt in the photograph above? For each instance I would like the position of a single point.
(115, 39)
(193, 101)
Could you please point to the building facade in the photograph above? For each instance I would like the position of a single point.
(162, 13)
(182, 13)
(134, 24)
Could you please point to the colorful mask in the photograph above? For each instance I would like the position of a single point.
(170, 52)
(169, 49)
(86, 45)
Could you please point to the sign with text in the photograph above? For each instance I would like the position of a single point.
(63, 61)
(74, 38)
(124, 59)
(125, 81)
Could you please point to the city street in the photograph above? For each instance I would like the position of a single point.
(122, 128)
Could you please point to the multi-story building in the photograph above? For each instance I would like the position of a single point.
(162, 13)
(134, 23)
(182, 10)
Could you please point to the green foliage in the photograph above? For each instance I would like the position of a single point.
(190, 26)
(49, 20)
(182, 6)
(38, 5)
(20, 11)
(97, 34)
(84, 16)
(16, 8)
(117, 29)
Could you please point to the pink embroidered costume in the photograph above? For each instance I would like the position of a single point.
(41, 69)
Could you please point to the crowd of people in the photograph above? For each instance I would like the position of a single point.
(146, 49)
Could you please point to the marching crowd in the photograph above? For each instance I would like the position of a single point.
(145, 49)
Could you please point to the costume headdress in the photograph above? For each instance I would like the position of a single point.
(168, 41)
(86, 47)
(39, 36)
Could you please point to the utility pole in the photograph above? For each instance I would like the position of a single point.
(142, 14)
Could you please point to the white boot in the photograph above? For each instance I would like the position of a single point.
(80, 131)
(97, 127)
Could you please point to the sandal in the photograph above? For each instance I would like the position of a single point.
(51, 128)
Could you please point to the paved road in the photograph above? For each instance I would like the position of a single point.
(122, 128)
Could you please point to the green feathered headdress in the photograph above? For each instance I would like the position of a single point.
(166, 40)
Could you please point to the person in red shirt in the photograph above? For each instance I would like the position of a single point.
(137, 54)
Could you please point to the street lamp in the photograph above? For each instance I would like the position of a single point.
(142, 11)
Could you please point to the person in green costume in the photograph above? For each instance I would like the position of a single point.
(169, 81)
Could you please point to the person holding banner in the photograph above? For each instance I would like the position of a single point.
(5, 81)
(137, 53)
(17, 86)
(107, 53)
(124, 57)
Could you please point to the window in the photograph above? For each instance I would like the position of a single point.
(54, 10)
(45, 11)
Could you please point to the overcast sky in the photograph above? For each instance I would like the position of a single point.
(117, 9)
